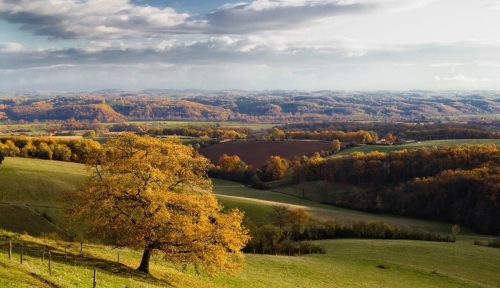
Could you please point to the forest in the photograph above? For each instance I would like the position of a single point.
(453, 184)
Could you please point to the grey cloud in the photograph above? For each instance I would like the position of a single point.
(89, 18)
(242, 19)
(121, 19)
(220, 50)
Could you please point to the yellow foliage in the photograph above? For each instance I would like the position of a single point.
(153, 194)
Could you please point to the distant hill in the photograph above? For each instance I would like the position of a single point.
(270, 106)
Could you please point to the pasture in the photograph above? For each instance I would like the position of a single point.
(347, 263)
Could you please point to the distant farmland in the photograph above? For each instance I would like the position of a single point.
(256, 153)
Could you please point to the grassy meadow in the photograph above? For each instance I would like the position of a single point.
(347, 263)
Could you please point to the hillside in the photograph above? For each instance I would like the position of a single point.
(31, 191)
(347, 262)
(33, 205)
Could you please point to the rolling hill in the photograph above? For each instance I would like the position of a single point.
(34, 185)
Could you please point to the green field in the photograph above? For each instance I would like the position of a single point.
(31, 191)
(30, 185)
(416, 145)
(347, 263)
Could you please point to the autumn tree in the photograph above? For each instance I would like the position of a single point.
(154, 194)
(336, 145)
(44, 151)
(277, 134)
(231, 163)
(275, 168)
(61, 152)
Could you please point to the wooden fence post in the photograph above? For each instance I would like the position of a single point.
(95, 280)
(10, 249)
(65, 253)
(22, 252)
(50, 262)
(118, 256)
(43, 254)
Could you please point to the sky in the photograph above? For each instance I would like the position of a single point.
(85, 45)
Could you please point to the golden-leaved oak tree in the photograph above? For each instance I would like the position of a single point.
(154, 194)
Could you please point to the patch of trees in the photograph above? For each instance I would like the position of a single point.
(451, 184)
(378, 168)
(290, 231)
(48, 148)
(231, 167)
(128, 127)
(352, 137)
(469, 197)
(495, 243)
(223, 133)
(415, 131)
(275, 168)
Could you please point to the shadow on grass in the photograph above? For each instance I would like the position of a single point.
(59, 256)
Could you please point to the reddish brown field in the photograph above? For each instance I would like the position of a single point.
(256, 153)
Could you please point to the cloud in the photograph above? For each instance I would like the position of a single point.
(11, 47)
(462, 78)
(447, 64)
(269, 15)
(89, 18)
(112, 19)
(492, 4)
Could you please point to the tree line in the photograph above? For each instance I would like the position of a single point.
(289, 232)
(415, 131)
(351, 137)
(47, 148)
(223, 133)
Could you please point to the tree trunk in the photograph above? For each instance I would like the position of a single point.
(146, 256)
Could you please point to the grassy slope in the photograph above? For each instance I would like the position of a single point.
(348, 263)
(416, 145)
(30, 191)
